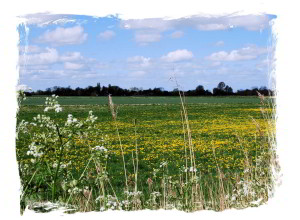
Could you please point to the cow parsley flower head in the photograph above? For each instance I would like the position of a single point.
(71, 120)
(91, 117)
(35, 150)
(52, 104)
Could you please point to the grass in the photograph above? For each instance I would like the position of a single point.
(150, 152)
(102, 100)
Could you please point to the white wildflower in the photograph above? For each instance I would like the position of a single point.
(163, 164)
(192, 169)
(34, 150)
(100, 148)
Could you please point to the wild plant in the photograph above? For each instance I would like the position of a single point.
(50, 144)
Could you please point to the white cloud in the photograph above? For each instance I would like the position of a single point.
(107, 35)
(158, 24)
(50, 56)
(63, 36)
(72, 66)
(246, 53)
(145, 37)
(205, 23)
(177, 34)
(46, 57)
(140, 61)
(71, 56)
(250, 22)
(178, 55)
(61, 21)
(212, 27)
(149, 30)
(34, 67)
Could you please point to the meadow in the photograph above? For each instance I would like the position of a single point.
(102, 100)
(137, 153)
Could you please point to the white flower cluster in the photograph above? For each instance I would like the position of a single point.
(191, 169)
(112, 203)
(44, 121)
(91, 117)
(75, 190)
(73, 121)
(22, 127)
(100, 148)
(52, 103)
(62, 165)
(35, 150)
(125, 203)
(138, 193)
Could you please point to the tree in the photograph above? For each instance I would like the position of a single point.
(98, 89)
(200, 90)
(158, 91)
(222, 89)
(228, 90)
(216, 91)
(221, 86)
(134, 89)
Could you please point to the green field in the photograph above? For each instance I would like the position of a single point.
(86, 100)
(228, 135)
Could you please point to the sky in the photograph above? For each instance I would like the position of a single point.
(79, 51)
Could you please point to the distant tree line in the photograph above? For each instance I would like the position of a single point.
(221, 90)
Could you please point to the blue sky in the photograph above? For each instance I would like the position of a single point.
(78, 51)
